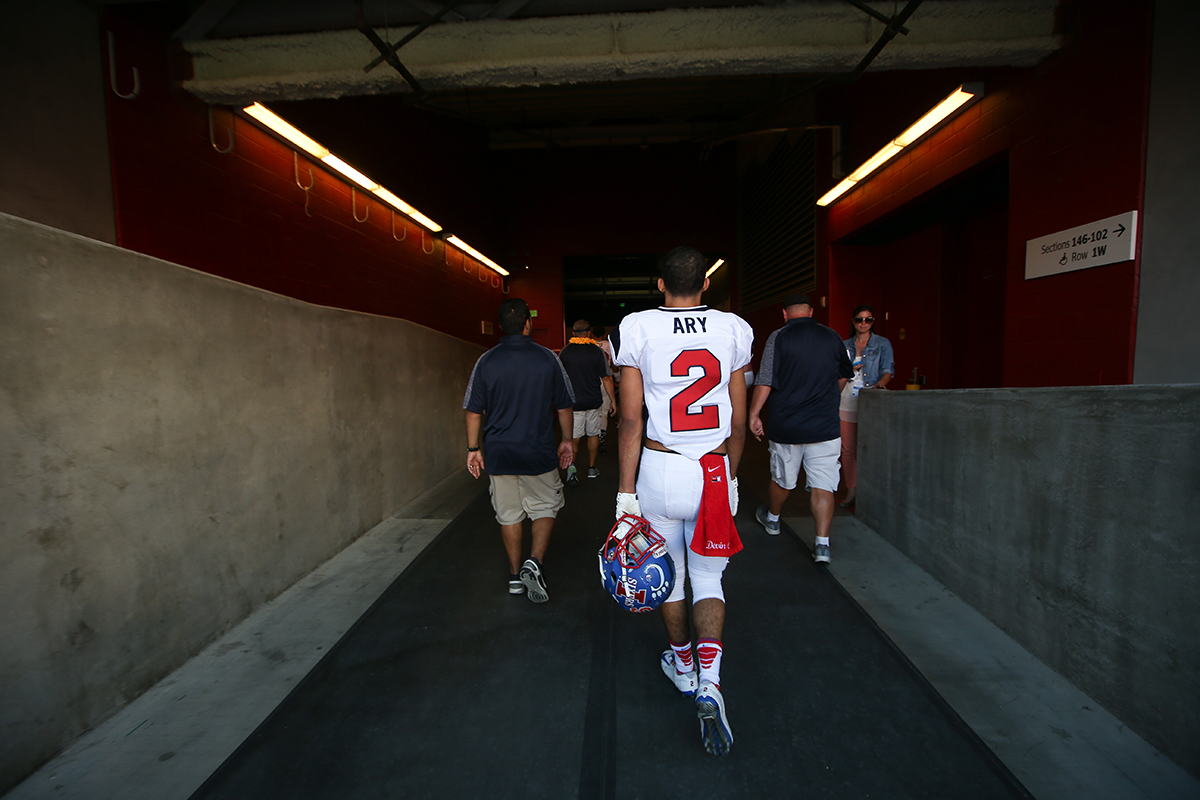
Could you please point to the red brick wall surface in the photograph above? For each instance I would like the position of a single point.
(1073, 129)
(241, 215)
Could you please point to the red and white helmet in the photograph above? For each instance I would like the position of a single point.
(635, 567)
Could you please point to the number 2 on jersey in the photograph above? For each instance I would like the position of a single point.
(707, 417)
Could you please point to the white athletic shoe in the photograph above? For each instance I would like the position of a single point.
(685, 682)
(714, 725)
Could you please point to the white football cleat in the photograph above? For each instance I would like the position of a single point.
(714, 725)
(685, 682)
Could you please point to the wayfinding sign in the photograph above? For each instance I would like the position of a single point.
(1106, 241)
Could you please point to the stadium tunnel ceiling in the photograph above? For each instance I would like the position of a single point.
(553, 73)
(537, 73)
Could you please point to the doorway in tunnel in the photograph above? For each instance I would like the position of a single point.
(935, 275)
(603, 289)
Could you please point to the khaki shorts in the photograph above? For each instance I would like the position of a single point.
(819, 461)
(515, 497)
(587, 423)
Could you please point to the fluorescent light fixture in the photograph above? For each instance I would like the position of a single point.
(714, 267)
(350, 172)
(475, 254)
(955, 102)
(424, 220)
(285, 129)
(889, 151)
(291, 133)
(393, 201)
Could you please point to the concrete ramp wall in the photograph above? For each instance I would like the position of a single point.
(1068, 516)
(175, 450)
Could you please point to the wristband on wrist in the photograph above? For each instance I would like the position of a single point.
(472, 449)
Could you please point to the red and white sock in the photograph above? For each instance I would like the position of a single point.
(709, 652)
(683, 657)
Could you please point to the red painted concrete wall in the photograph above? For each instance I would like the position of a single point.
(242, 215)
(1074, 131)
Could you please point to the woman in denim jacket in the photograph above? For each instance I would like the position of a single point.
(871, 355)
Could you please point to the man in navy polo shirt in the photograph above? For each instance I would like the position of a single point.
(591, 379)
(512, 388)
(804, 367)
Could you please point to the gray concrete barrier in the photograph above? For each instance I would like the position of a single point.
(1068, 516)
(175, 450)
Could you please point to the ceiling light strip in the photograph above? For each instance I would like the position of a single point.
(959, 99)
(714, 267)
(289, 132)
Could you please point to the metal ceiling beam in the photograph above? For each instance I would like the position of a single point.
(504, 9)
(817, 38)
(387, 53)
(389, 50)
(204, 19)
(879, 15)
(429, 8)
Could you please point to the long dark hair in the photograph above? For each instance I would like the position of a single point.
(857, 311)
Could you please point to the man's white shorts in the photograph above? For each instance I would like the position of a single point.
(605, 405)
(819, 460)
(587, 423)
(515, 497)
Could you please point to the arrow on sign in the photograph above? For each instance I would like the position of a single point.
(1120, 229)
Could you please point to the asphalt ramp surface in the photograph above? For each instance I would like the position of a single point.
(448, 687)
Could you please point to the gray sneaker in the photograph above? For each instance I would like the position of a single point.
(821, 554)
(535, 584)
(771, 527)
(593, 472)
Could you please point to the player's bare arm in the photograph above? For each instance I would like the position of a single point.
(736, 442)
(474, 457)
(630, 430)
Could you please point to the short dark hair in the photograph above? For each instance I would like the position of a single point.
(514, 313)
(598, 331)
(682, 271)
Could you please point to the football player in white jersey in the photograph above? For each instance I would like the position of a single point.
(685, 362)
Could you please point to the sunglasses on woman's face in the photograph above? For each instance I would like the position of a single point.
(862, 320)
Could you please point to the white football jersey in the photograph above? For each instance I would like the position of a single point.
(686, 356)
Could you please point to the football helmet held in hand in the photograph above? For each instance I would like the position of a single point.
(635, 567)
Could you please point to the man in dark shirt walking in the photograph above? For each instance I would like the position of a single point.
(803, 370)
(512, 388)
(588, 369)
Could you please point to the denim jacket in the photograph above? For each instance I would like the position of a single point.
(877, 358)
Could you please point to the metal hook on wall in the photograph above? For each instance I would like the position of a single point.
(483, 275)
(497, 280)
(212, 134)
(394, 236)
(112, 72)
(312, 180)
(354, 207)
(423, 250)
